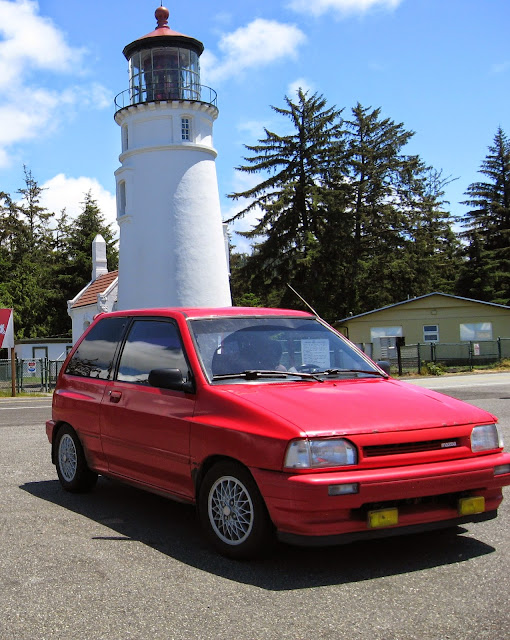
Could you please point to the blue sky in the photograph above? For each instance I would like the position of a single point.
(441, 67)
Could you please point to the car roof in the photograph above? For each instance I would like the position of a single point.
(209, 312)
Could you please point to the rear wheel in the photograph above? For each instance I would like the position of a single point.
(233, 513)
(72, 469)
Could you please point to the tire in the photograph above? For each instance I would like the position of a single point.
(233, 514)
(72, 469)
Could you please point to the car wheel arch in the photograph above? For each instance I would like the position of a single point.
(56, 430)
(201, 471)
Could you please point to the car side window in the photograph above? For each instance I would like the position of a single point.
(95, 354)
(151, 344)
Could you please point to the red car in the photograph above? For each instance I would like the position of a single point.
(272, 424)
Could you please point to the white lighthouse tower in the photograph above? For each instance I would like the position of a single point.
(172, 246)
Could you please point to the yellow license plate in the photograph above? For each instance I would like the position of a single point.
(382, 518)
(468, 506)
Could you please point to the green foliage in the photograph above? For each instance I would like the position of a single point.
(433, 369)
(346, 217)
(485, 274)
(45, 264)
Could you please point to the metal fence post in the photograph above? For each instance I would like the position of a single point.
(419, 358)
(500, 355)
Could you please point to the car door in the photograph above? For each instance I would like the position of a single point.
(145, 430)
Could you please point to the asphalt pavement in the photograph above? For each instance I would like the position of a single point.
(119, 564)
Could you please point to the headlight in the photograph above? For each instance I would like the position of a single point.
(320, 453)
(485, 438)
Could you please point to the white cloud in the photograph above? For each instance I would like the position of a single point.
(341, 7)
(258, 44)
(242, 182)
(63, 192)
(30, 42)
(300, 83)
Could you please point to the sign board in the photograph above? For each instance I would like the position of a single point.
(316, 352)
(6, 329)
(31, 366)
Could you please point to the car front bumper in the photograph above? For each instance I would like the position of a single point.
(425, 496)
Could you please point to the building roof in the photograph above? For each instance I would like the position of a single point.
(427, 295)
(92, 290)
(163, 36)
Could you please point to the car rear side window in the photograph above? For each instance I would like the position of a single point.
(151, 344)
(94, 357)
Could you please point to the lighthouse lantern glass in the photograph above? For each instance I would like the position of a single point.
(165, 73)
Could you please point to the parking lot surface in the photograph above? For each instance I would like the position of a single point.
(119, 564)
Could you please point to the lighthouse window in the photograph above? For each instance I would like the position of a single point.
(164, 73)
(122, 198)
(125, 140)
(185, 129)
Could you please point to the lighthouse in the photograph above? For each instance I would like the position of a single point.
(172, 244)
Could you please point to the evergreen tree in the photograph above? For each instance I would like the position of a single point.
(37, 217)
(72, 255)
(486, 272)
(41, 267)
(26, 284)
(289, 198)
(349, 219)
(402, 235)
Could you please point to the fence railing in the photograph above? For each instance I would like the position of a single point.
(418, 357)
(37, 375)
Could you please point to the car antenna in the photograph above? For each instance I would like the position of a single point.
(304, 302)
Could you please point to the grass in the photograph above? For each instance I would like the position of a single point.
(7, 393)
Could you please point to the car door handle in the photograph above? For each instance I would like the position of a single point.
(115, 396)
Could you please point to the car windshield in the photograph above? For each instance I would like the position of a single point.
(249, 348)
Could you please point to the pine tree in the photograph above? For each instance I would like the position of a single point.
(27, 238)
(486, 272)
(404, 244)
(73, 251)
(372, 227)
(289, 197)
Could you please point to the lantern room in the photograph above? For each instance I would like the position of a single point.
(164, 65)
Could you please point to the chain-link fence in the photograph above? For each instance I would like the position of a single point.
(38, 375)
(429, 357)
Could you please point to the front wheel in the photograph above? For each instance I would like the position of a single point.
(72, 469)
(233, 513)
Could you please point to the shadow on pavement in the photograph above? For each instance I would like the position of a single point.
(173, 529)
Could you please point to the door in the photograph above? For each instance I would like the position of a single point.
(145, 430)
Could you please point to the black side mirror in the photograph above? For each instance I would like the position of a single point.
(170, 379)
(384, 365)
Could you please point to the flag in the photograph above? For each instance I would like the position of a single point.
(6, 329)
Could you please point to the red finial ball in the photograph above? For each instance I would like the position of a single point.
(162, 14)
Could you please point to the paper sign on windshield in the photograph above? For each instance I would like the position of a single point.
(6, 329)
(316, 352)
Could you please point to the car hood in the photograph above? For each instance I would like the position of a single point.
(357, 406)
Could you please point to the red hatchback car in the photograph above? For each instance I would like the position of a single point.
(271, 423)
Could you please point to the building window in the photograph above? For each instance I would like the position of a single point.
(125, 137)
(431, 333)
(476, 331)
(122, 198)
(385, 332)
(185, 129)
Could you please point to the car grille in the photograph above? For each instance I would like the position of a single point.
(409, 447)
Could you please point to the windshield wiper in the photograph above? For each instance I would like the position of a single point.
(372, 372)
(255, 374)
